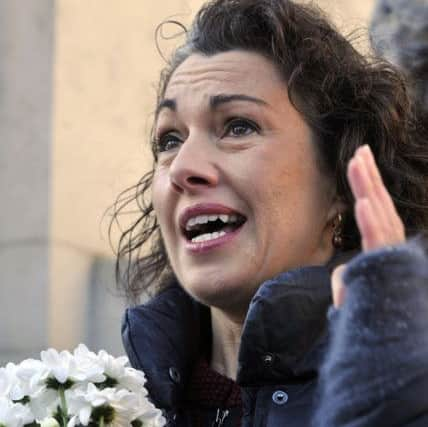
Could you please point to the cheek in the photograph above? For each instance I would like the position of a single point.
(291, 203)
(156, 197)
(160, 199)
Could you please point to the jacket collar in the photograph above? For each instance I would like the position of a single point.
(283, 335)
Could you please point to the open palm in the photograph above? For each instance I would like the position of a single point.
(377, 219)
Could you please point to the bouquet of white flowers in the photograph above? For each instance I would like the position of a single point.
(75, 389)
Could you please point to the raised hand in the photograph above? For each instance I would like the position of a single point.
(375, 213)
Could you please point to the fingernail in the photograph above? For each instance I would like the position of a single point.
(367, 148)
(363, 148)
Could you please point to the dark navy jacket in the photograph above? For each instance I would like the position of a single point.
(375, 372)
(376, 369)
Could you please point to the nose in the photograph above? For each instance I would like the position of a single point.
(193, 168)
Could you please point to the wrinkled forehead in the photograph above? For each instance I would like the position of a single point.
(245, 72)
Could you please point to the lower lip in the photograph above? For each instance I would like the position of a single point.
(208, 245)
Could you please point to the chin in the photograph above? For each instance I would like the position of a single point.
(220, 293)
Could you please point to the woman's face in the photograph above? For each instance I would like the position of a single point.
(237, 190)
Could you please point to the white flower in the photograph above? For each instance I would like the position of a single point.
(89, 366)
(49, 422)
(157, 420)
(150, 416)
(125, 376)
(14, 414)
(8, 380)
(32, 376)
(127, 406)
(30, 382)
(44, 404)
(62, 366)
(113, 367)
(35, 389)
(134, 380)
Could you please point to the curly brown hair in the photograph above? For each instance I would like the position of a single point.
(347, 100)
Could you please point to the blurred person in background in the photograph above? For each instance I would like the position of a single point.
(399, 32)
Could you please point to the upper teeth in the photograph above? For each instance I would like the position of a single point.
(204, 219)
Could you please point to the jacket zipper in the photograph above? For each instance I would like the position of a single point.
(220, 417)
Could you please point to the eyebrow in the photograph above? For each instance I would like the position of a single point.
(171, 104)
(215, 101)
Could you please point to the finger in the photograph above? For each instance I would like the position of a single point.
(367, 183)
(375, 213)
(372, 236)
(355, 178)
(373, 172)
(337, 286)
(363, 188)
(380, 190)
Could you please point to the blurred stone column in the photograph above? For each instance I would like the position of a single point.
(26, 52)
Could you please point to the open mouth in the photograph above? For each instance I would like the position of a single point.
(202, 228)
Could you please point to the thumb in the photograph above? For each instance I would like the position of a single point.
(337, 286)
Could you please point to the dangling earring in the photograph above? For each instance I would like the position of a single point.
(337, 231)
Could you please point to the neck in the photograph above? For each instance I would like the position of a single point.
(226, 332)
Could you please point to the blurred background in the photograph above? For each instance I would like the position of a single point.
(77, 91)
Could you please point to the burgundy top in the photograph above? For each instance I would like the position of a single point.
(210, 390)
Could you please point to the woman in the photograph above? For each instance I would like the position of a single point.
(264, 181)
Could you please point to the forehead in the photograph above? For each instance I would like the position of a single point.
(245, 72)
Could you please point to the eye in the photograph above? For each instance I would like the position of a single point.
(238, 127)
(167, 141)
